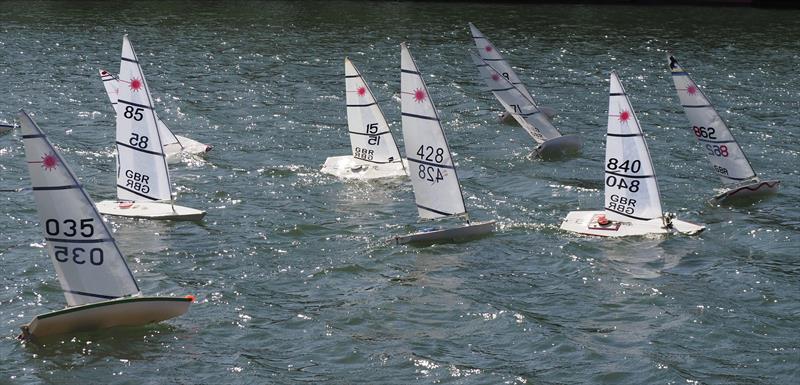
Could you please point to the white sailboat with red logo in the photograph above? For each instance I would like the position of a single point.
(724, 154)
(433, 174)
(174, 145)
(632, 199)
(143, 185)
(99, 287)
(375, 153)
(518, 102)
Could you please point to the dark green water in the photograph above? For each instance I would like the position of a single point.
(293, 279)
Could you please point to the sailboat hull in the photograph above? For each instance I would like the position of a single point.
(559, 147)
(134, 311)
(448, 235)
(751, 192)
(585, 222)
(150, 210)
(348, 167)
(174, 151)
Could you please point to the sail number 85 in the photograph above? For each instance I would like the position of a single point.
(133, 113)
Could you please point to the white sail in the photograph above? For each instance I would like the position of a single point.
(370, 137)
(631, 189)
(492, 56)
(111, 84)
(141, 163)
(514, 100)
(89, 265)
(723, 152)
(433, 174)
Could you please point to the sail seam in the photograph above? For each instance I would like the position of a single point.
(85, 294)
(433, 210)
(410, 72)
(362, 105)
(62, 240)
(629, 176)
(430, 163)
(365, 134)
(48, 188)
(623, 135)
(129, 60)
(136, 192)
(629, 216)
(420, 116)
(32, 136)
(134, 104)
(140, 149)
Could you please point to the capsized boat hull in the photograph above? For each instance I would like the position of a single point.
(559, 147)
(507, 118)
(348, 167)
(132, 311)
(585, 222)
(150, 210)
(448, 235)
(750, 192)
(174, 151)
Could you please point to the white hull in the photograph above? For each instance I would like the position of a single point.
(559, 147)
(348, 167)
(134, 311)
(585, 222)
(174, 151)
(507, 118)
(448, 235)
(753, 191)
(150, 210)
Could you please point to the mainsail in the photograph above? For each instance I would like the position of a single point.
(370, 137)
(433, 174)
(516, 102)
(89, 265)
(631, 189)
(723, 152)
(141, 163)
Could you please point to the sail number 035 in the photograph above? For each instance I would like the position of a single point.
(626, 166)
(74, 228)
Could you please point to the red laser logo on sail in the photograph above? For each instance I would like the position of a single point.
(49, 162)
(136, 84)
(362, 91)
(488, 48)
(496, 77)
(691, 90)
(624, 116)
(419, 95)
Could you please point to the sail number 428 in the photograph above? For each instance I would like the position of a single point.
(430, 154)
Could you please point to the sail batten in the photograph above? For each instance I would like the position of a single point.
(433, 175)
(89, 265)
(727, 159)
